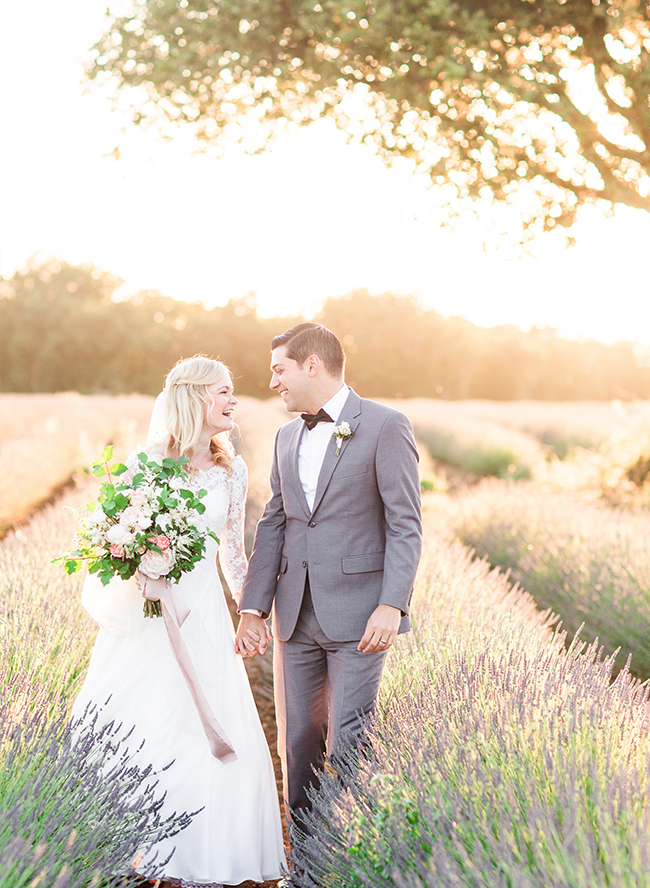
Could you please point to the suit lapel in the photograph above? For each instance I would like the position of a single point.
(351, 414)
(294, 476)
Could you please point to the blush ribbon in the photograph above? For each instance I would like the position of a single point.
(174, 613)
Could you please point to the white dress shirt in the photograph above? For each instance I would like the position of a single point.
(313, 445)
(311, 452)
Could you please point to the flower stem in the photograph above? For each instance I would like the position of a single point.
(152, 607)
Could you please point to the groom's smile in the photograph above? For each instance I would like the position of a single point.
(294, 383)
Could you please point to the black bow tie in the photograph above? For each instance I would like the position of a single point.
(312, 419)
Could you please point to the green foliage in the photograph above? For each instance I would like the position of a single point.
(485, 96)
(395, 347)
(60, 330)
(163, 511)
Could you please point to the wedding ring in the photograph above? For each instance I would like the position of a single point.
(384, 641)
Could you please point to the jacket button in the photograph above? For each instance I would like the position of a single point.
(312, 524)
(304, 564)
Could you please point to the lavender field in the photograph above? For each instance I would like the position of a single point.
(502, 755)
(588, 562)
(497, 758)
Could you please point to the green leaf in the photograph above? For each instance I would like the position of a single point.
(137, 479)
(168, 462)
(118, 469)
(107, 453)
(142, 457)
(121, 501)
(98, 470)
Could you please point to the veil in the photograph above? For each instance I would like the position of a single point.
(157, 425)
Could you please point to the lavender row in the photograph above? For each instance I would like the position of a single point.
(496, 759)
(74, 811)
(72, 814)
(477, 445)
(586, 561)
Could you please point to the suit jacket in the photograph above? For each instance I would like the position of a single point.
(362, 540)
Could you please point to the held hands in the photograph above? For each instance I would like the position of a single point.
(381, 629)
(252, 635)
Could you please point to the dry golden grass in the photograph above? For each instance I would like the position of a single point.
(46, 439)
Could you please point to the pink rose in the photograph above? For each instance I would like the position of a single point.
(117, 551)
(161, 541)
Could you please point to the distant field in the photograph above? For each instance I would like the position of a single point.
(46, 439)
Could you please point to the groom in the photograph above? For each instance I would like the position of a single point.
(335, 553)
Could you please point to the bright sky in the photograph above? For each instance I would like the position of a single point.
(311, 219)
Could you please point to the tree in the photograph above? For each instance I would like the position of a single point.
(53, 325)
(539, 102)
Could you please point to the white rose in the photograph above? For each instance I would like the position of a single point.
(129, 515)
(118, 534)
(135, 517)
(97, 516)
(138, 498)
(164, 522)
(156, 564)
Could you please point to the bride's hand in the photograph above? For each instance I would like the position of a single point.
(251, 637)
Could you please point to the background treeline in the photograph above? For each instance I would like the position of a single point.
(61, 330)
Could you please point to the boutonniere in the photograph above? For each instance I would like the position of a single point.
(341, 432)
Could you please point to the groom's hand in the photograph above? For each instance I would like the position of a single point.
(251, 637)
(381, 629)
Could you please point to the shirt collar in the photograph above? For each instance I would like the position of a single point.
(336, 404)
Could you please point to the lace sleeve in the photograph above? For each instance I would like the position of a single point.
(232, 555)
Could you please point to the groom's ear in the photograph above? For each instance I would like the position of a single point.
(313, 363)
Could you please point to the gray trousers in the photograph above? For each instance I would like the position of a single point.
(322, 688)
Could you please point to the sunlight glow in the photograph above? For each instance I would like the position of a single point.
(309, 218)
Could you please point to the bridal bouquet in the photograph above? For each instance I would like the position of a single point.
(148, 523)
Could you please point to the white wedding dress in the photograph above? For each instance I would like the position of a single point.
(136, 681)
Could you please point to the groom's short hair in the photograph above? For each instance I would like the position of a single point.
(307, 339)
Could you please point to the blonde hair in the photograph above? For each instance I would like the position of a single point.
(187, 399)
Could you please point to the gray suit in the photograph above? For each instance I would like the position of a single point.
(324, 571)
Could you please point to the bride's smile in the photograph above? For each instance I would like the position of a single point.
(220, 413)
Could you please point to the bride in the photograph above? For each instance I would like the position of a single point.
(135, 678)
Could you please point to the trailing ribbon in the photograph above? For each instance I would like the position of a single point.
(174, 614)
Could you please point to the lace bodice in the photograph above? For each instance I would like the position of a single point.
(224, 514)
